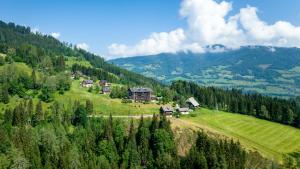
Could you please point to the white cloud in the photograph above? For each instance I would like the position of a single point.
(281, 33)
(169, 42)
(35, 30)
(55, 35)
(83, 46)
(209, 23)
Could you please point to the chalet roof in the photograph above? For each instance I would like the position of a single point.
(183, 109)
(88, 81)
(140, 89)
(103, 81)
(167, 108)
(192, 101)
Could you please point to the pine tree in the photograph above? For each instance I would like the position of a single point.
(19, 115)
(133, 156)
(80, 117)
(33, 79)
(143, 137)
(39, 114)
(30, 108)
(5, 95)
(89, 107)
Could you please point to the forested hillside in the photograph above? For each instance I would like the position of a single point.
(266, 70)
(47, 53)
(272, 109)
(41, 128)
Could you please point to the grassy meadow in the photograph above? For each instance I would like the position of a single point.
(271, 139)
(103, 104)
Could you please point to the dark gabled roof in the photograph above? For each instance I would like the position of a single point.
(140, 89)
(167, 108)
(103, 81)
(88, 81)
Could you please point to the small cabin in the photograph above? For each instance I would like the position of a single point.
(104, 83)
(166, 110)
(87, 83)
(140, 94)
(183, 110)
(192, 103)
(106, 90)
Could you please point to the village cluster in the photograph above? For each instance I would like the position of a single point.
(145, 94)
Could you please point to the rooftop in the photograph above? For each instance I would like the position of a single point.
(140, 89)
(88, 81)
(193, 101)
(183, 109)
(167, 108)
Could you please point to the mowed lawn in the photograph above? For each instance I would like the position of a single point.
(103, 104)
(271, 139)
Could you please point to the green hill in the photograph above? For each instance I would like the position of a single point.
(272, 140)
(267, 70)
(47, 118)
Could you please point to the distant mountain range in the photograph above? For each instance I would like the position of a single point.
(268, 70)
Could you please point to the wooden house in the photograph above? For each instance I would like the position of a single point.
(104, 83)
(106, 90)
(140, 94)
(192, 103)
(183, 110)
(166, 110)
(87, 83)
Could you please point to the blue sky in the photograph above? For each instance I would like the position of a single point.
(100, 23)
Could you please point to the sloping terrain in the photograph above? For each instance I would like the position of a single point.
(270, 139)
(267, 70)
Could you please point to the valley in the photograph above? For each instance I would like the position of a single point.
(254, 69)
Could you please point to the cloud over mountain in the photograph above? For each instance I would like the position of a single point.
(209, 23)
(83, 46)
(55, 34)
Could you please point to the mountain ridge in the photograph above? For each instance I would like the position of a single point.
(267, 70)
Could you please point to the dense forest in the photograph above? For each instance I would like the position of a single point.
(47, 57)
(269, 108)
(47, 53)
(64, 137)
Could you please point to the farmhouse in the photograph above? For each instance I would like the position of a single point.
(104, 83)
(183, 110)
(166, 110)
(192, 102)
(140, 94)
(87, 83)
(105, 89)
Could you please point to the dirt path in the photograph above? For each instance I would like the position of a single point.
(122, 116)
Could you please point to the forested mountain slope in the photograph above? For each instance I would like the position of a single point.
(268, 70)
(46, 117)
(47, 53)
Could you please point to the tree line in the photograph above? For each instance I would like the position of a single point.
(235, 101)
(64, 137)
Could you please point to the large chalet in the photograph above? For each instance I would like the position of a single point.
(140, 94)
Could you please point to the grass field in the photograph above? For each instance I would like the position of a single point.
(272, 140)
(103, 104)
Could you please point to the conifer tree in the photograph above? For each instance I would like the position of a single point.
(33, 79)
(133, 156)
(143, 137)
(89, 107)
(39, 114)
(4, 95)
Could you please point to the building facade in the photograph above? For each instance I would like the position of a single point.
(140, 94)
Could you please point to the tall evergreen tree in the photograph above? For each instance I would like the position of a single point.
(89, 107)
(4, 95)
